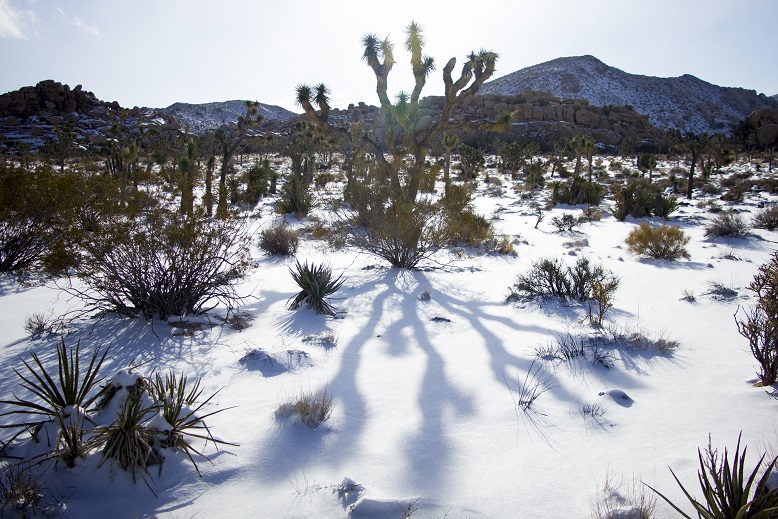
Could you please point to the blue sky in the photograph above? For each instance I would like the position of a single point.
(156, 52)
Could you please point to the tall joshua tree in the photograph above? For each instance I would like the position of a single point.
(229, 141)
(407, 134)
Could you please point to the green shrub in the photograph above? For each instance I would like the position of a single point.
(637, 199)
(279, 240)
(727, 223)
(467, 228)
(295, 197)
(576, 191)
(662, 242)
(316, 285)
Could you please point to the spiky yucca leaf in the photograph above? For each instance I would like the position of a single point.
(128, 441)
(726, 488)
(178, 401)
(316, 283)
(72, 386)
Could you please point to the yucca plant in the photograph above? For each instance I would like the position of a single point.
(178, 403)
(70, 443)
(727, 489)
(128, 441)
(73, 387)
(316, 283)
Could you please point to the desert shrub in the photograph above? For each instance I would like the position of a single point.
(256, 178)
(467, 228)
(576, 191)
(661, 242)
(295, 197)
(639, 199)
(566, 222)
(590, 214)
(316, 285)
(727, 223)
(37, 210)
(760, 324)
(403, 236)
(39, 324)
(728, 491)
(163, 264)
(24, 494)
(279, 240)
(552, 278)
(767, 218)
(312, 408)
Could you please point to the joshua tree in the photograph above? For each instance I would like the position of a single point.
(187, 164)
(406, 134)
(230, 140)
(647, 162)
(449, 142)
(695, 145)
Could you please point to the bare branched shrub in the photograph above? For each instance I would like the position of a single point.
(759, 325)
(162, 264)
(566, 222)
(312, 408)
(40, 324)
(553, 278)
(279, 240)
(767, 218)
(663, 242)
(727, 223)
(24, 494)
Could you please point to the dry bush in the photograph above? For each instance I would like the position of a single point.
(24, 494)
(760, 324)
(727, 223)
(279, 240)
(616, 502)
(312, 408)
(40, 324)
(553, 278)
(767, 218)
(162, 265)
(467, 228)
(663, 242)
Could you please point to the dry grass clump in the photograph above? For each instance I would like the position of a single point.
(616, 502)
(663, 242)
(279, 240)
(312, 408)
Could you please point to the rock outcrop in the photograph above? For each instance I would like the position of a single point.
(685, 103)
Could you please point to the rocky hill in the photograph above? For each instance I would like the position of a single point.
(685, 103)
(207, 116)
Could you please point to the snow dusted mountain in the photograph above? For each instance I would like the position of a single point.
(685, 103)
(206, 116)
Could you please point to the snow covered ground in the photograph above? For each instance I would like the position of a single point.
(425, 420)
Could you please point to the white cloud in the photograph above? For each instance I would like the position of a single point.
(12, 21)
(78, 24)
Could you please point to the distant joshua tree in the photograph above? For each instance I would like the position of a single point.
(229, 142)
